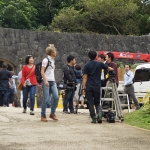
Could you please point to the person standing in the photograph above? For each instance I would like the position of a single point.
(102, 58)
(29, 83)
(92, 84)
(12, 91)
(78, 72)
(48, 84)
(70, 80)
(5, 78)
(21, 93)
(104, 79)
(112, 64)
(128, 86)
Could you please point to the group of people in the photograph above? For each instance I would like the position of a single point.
(94, 77)
(128, 78)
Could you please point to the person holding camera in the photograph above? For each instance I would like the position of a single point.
(70, 81)
(92, 84)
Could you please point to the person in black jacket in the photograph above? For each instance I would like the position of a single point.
(5, 78)
(70, 80)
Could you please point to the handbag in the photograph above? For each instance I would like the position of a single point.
(20, 85)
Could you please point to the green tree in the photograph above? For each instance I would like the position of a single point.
(47, 9)
(142, 17)
(111, 16)
(18, 14)
(70, 20)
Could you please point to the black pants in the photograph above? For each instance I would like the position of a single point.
(93, 98)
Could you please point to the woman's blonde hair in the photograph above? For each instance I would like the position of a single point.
(51, 48)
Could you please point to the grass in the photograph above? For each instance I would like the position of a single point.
(140, 118)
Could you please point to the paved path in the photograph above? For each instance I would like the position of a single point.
(20, 131)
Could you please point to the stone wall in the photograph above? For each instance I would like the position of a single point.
(16, 44)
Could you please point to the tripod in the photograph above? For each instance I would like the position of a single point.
(115, 98)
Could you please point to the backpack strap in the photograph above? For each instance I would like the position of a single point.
(48, 64)
(127, 75)
(30, 72)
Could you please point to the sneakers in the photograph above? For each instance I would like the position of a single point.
(81, 107)
(31, 112)
(53, 116)
(72, 112)
(66, 112)
(43, 118)
(24, 110)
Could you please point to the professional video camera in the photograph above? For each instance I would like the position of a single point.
(111, 76)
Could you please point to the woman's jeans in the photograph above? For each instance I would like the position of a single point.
(47, 94)
(29, 89)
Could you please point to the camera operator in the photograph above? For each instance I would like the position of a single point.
(109, 60)
(70, 80)
(92, 84)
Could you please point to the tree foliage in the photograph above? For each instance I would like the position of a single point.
(17, 14)
(127, 17)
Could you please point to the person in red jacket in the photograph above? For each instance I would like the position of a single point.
(29, 83)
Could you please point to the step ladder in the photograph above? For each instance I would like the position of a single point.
(128, 104)
(114, 99)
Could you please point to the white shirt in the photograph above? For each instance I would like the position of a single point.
(49, 73)
(128, 78)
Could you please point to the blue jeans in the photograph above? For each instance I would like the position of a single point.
(69, 94)
(29, 89)
(47, 94)
(4, 99)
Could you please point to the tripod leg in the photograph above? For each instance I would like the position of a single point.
(117, 102)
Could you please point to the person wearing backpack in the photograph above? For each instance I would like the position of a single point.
(128, 85)
(29, 83)
(48, 84)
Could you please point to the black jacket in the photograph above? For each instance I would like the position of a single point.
(69, 75)
(4, 78)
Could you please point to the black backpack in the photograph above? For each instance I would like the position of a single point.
(111, 116)
(38, 70)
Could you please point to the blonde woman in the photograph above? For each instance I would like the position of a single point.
(48, 84)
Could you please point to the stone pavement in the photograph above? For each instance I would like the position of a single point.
(20, 131)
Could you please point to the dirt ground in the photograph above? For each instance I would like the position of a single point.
(20, 131)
